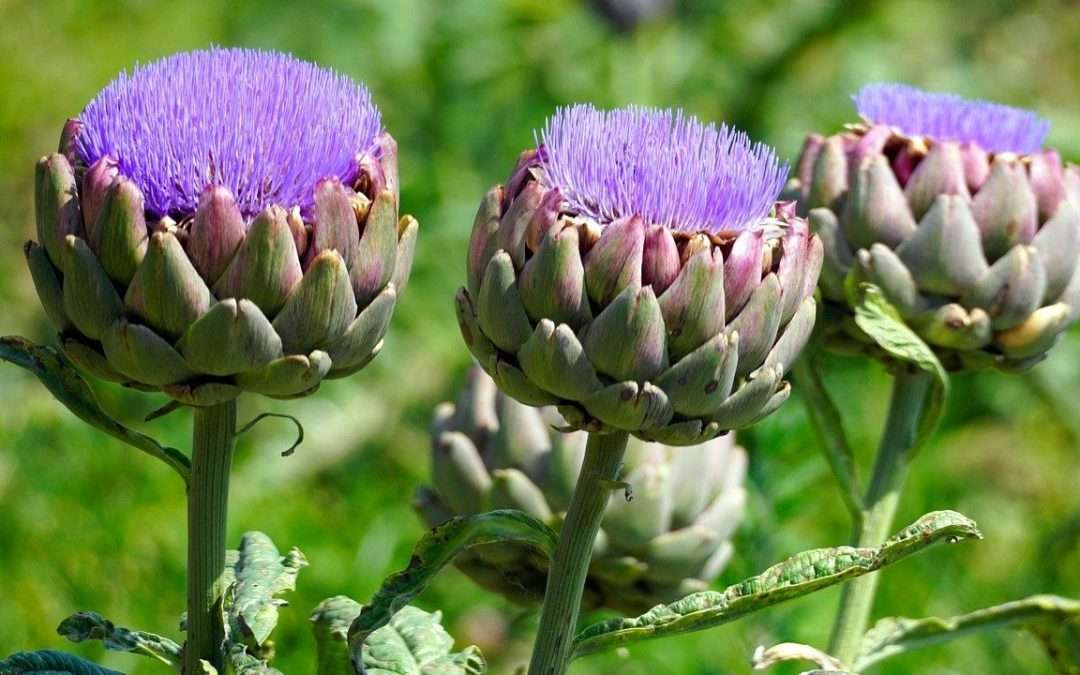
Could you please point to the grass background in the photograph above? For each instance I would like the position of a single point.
(88, 524)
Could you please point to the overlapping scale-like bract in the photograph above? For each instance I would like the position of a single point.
(977, 249)
(489, 451)
(672, 333)
(219, 302)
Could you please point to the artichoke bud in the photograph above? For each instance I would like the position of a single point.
(208, 262)
(588, 294)
(673, 536)
(967, 225)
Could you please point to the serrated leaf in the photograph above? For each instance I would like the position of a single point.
(799, 575)
(93, 626)
(49, 662)
(881, 321)
(436, 550)
(68, 386)
(1052, 618)
(415, 643)
(330, 622)
(261, 574)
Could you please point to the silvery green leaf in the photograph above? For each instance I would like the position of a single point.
(49, 662)
(1054, 619)
(261, 575)
(93, 626)
(881, 321)
(415, 643)
(793, 651)
(330, 622)
(68, 386)
(799, 575)
(436, 550)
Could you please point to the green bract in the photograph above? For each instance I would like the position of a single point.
(491, 452)
(218, 304)
(977, 251)
(672, 336)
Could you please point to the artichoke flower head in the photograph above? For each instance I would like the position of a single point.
(954, 209)
(636, 272)
(222, 221)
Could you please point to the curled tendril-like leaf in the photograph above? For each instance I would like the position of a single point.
(799, 575)
(435, 550)
(261, 416)
(67, 386)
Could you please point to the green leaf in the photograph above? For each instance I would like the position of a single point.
(799, 575)
(880, 320)
(1054, 619)
(68, 386)
(436, 550)
(330, 622)
(261, 575)
(93, 626)
(415, 643)
(49, 662)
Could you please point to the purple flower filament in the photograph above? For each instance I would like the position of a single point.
(662, 165)
(265, 125)
(947, 117)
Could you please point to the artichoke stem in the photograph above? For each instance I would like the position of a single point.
(208, 499)
(566, 579)
(911, 389)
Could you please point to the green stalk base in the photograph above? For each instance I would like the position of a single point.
(911, 390)
(208, 499)
(566, 578)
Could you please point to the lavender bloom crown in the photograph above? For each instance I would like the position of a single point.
(264, 124)
(947, 117)
(666, 167)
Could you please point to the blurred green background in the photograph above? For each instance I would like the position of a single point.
(86, 523)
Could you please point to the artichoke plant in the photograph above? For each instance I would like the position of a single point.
(956, 212)
(222, 243)
(671, 539)
(636, 272)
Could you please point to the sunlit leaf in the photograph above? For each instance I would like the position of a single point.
(415, 643)
(799, 575)
(93, 626)
(330, 622)
(262, 574)
(793, 651)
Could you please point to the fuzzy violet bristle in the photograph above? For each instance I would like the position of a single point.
(662, 165)
(948, 117)
(263, 124)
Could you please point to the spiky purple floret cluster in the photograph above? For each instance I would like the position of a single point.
(266, 125)
(662, 165)
(947, 117)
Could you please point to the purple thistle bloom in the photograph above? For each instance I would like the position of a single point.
(266, 125)
(947, 117)
(662, 165)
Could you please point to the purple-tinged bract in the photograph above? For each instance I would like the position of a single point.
(666, 167)
(265, 125)
(948, 117)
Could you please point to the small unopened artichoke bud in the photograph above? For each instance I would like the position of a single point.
(637, 273)
(673, 538)
(215, 246)
(956, 212)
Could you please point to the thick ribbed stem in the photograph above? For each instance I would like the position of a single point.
(911, 390)
(208, 500)
(566, 580)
